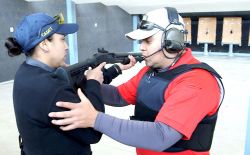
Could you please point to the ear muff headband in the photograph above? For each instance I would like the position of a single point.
(173, 38)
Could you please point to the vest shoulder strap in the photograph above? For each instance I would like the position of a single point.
(171, 74)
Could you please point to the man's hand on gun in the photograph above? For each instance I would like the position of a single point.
(96, 73)
(131, 63)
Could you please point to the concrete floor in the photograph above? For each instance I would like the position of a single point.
(230, 133)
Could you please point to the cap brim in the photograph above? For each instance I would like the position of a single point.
(141, 34)
(67, 29)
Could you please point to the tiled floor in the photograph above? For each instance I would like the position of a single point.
(229, 138)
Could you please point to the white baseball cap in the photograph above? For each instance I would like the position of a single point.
(155, 21)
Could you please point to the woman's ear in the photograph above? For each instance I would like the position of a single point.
(43, 46)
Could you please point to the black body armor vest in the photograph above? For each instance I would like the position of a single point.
(201, 138)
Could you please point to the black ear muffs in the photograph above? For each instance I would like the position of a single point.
(173, 39)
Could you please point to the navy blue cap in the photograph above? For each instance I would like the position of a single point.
(37, 27)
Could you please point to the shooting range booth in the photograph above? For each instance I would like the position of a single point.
(206, 32)
(187, 22)
(232, 32)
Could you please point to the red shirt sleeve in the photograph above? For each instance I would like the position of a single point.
(188, 99)
(128, 90)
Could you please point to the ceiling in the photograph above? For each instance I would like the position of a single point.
(183, 6)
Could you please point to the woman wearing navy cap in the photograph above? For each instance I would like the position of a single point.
(37, 88)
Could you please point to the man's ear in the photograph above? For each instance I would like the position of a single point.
(43, 46)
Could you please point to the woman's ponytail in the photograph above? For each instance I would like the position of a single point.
(13, 47)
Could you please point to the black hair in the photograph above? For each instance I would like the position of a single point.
(14, 49)
(50, 38)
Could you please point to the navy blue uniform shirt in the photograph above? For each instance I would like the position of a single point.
(36, 90)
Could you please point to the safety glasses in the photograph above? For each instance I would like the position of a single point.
(146, 25)
(58, 18)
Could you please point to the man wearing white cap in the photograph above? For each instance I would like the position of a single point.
(176, 97)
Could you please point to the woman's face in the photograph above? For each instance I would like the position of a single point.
(57, 51)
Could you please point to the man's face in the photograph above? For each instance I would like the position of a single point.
(151, 45)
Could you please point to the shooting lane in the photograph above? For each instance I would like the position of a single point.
(206, 32)
(187, 22)
(231, 32)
